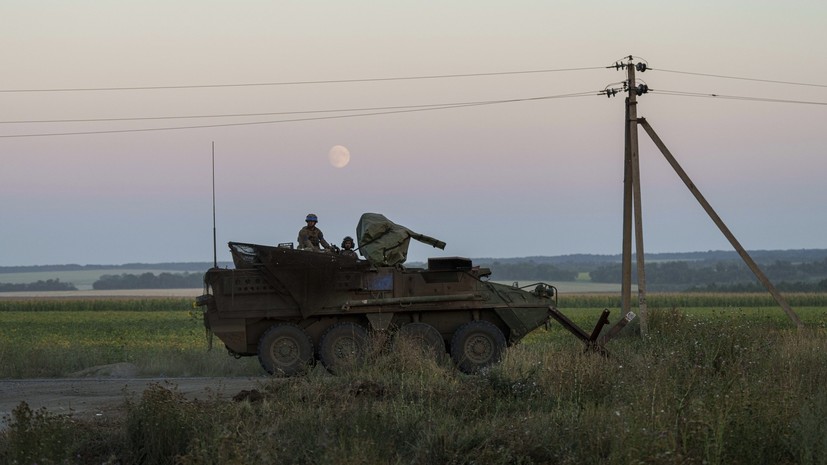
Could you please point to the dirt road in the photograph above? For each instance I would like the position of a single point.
(88, 398)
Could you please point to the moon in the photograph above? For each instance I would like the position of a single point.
(339, 156)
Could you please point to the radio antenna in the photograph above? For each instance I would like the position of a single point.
(214, 252)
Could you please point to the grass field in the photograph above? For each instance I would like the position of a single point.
(46, 337)
(709, 384)
(56, 337)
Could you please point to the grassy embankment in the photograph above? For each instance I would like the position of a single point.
(724, 383)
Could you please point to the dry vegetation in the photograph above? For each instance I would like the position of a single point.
(704, 386)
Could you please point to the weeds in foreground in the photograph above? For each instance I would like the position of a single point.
(37, 436)
(717, 389)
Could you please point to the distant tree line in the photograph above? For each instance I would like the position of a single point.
(149, 281)
(721, 274)
(48, 285)
(679, 272)
(587, 262)
(527, 271)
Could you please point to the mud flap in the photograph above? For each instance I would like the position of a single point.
(379, 321)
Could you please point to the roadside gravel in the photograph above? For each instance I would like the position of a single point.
(99, 398)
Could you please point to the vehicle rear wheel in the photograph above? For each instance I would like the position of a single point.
(476, 345)
(343, 346)
(422, 336)
(285, 350)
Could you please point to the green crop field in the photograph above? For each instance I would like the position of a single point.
(714, 381)
(43, 337)
(56, 337)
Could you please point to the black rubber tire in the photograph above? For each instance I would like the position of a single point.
(477, 345)
(285, 350)
(342, 346)
(425, 336)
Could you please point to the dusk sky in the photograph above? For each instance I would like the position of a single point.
(525, 178)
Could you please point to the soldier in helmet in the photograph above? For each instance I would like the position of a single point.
(347, 247)
(311, 237)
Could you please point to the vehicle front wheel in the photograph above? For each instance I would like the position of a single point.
(285, 350)
(476, 345)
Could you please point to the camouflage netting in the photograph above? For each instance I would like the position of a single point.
(385, 243)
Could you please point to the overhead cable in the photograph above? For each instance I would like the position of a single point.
(293, 83)
(740, 78)
(315, 118)
(734, 97)
(243, 115)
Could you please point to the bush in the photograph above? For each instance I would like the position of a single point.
(37, 436)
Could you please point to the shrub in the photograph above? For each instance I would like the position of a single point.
(37, 436)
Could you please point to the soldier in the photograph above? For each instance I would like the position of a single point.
(311, 237)
(347, 247)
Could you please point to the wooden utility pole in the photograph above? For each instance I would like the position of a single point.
(626, 282)
(632, 204)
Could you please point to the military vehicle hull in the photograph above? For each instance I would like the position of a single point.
(292, 307)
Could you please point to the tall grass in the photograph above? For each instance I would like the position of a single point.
(701, 387)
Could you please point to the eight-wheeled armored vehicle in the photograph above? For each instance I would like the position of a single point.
(292, 307)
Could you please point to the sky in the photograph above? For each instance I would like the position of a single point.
(535, 176)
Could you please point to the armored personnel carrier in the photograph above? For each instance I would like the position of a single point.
(293, 307)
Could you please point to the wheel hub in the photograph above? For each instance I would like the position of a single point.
(479, 347)
(285, 349)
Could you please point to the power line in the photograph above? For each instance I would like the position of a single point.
(740, 78)
(250, 123)
(293, 83)
(242, 115)
(734, 97)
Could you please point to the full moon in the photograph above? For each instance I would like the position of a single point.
(339, 156)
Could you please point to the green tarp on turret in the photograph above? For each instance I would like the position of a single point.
(385, 243)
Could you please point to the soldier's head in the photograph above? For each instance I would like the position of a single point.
(347, 243)
(311, 219)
